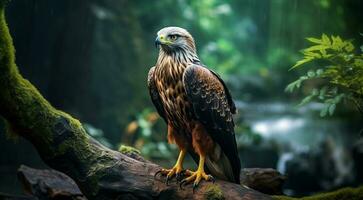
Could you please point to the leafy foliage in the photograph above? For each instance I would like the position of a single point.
(338, 67)
(145, 134)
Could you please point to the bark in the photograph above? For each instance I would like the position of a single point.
(63, 144)
(268, 181)
(51, 184)
(48, 184)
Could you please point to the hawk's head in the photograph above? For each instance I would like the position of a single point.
(174, 39)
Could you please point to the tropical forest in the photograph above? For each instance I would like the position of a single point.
(181, 99)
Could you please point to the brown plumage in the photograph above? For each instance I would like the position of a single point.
(197, 107)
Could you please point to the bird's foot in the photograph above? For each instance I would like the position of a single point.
(196, 176)
(176, 171)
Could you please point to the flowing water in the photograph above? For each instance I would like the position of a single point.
(311, 145)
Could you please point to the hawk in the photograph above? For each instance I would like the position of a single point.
(197, 108)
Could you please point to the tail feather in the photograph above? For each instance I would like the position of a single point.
(219, 165)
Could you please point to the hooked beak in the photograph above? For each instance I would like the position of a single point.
(160, 40)
(157, 42)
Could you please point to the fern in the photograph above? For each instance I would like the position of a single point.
(342, 76)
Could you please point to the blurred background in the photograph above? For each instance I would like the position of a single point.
(90, 58)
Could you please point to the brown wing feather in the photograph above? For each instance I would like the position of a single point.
(213, 107)
(228, 94)
(154, 94)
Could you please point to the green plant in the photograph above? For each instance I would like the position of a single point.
(213, 192)
(146, 134)
(339, 69)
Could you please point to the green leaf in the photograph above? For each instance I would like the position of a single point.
(324, 111)
(306, 100)
(358, 62)
(301, 62)
(311, 54)
(329, 101)
(311, 73)
(348, 57)
(337, 40)
(314, 40)
(316, 48)
(290, 88)
(323, 92)
(334, 90)
(332, 109)
(338, 98)
(325, 39)
(337, 43)
(319, 72)
(349, 47)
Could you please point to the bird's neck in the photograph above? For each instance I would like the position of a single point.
(179, 57)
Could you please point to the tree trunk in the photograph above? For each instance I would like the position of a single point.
(63, 144)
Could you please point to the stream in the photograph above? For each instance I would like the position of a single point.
(314, 152)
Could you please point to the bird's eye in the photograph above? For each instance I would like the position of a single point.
(173, 37)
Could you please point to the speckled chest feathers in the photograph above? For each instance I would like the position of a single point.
(169, 72)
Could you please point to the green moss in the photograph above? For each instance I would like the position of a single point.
(76, 139)
(213, 192)
(23, 102)
(283, 198)
(70, 144)
(128, 149)
(341, 194)
(98, 169)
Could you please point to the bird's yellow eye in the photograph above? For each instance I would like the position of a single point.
(173, 37)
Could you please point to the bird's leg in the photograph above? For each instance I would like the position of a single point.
(198, 175)
(177, 170)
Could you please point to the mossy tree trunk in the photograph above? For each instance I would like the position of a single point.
(63, 144)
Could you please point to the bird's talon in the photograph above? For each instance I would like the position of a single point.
(211, 178)
(158, 172)
(195, 186)
(176, 171)
(167, 180)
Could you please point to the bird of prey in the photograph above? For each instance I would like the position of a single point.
(197, 107)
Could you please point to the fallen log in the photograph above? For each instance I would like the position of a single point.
(51, 184)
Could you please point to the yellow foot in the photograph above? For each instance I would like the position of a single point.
(196, 177)
(176, 171)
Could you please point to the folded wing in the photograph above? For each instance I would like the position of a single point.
(213, 107)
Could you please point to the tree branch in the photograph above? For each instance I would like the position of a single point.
(63, 144)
